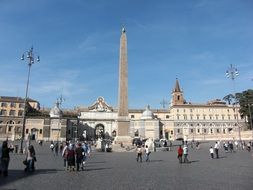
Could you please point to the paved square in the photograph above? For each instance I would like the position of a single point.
(121, 171)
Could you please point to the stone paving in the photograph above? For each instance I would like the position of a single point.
(121, 171)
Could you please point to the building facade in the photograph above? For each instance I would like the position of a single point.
(11, 115)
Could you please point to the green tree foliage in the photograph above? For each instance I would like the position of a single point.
(229, 98)
(246, 105)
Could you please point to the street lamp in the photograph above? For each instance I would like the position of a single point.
(30, 58)
(232, 73)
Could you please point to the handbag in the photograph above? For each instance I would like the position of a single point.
(25, 162)
(34, 159)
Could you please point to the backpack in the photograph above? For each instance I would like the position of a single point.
(66, 152)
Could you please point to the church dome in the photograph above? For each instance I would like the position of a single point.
(147, 114)
(56, 111)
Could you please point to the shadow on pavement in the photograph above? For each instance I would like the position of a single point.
(194, 161)
(94, 169)
(156, 161)
(96, 162)
(19, 174)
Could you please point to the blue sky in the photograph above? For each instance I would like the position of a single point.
(78, 42)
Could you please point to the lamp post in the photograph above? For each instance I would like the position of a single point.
(232, 73)
(30, 58)
(59, 103)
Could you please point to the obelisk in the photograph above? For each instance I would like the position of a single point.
(123, 118)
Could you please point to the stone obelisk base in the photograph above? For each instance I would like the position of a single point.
(123, 137)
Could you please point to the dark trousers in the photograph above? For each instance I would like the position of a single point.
(212, 155)
(139, 156)
(78, 163)
(5, 165)
(180, 158)
(185, 158)
(217, 152)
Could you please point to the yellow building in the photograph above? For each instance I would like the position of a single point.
(11, 115)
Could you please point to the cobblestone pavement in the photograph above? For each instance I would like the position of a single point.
(121, 171)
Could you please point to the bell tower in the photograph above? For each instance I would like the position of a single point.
(177, 95)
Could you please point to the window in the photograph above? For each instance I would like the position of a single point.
(3, 112)
(40, 131)
(9, 128)
(228, 117)
(26, 131)
(167, 116)
(21, 105)
(69, 131)
(211, 130)
(185, 117)
(217, 117)
(211, 117)
(198, 130)
(13, 104)
(204, 130)
(197, 117)
(184, 110)
(12, 113)
(191, 117)
(4, 104)
(177, 110)
(190, 110)
(204, 117)
(132, 116)
(218, 131)
(178, 117)
(20, 113)
(171, 132)
(222, 117)
(178, 130)
(19, 130)
(191, 130)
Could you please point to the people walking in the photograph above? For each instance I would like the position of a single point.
(185, 152)
(180, 154)
(79, 156)
(52, 146)
(5, 158)
(71, 158)
(216, 148)
(56, 149)
(139, 153)
(30, 158)
(61, 148)
(147, 153)
(249, 146)
(170, 145)
(65, 155)
(211, 151)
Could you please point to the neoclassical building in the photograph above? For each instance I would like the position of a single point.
(182, 120)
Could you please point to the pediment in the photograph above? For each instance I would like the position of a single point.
(100, 106)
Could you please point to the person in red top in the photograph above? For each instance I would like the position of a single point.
(180, 154)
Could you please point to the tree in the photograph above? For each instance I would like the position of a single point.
(229, 98)
(246, 105)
